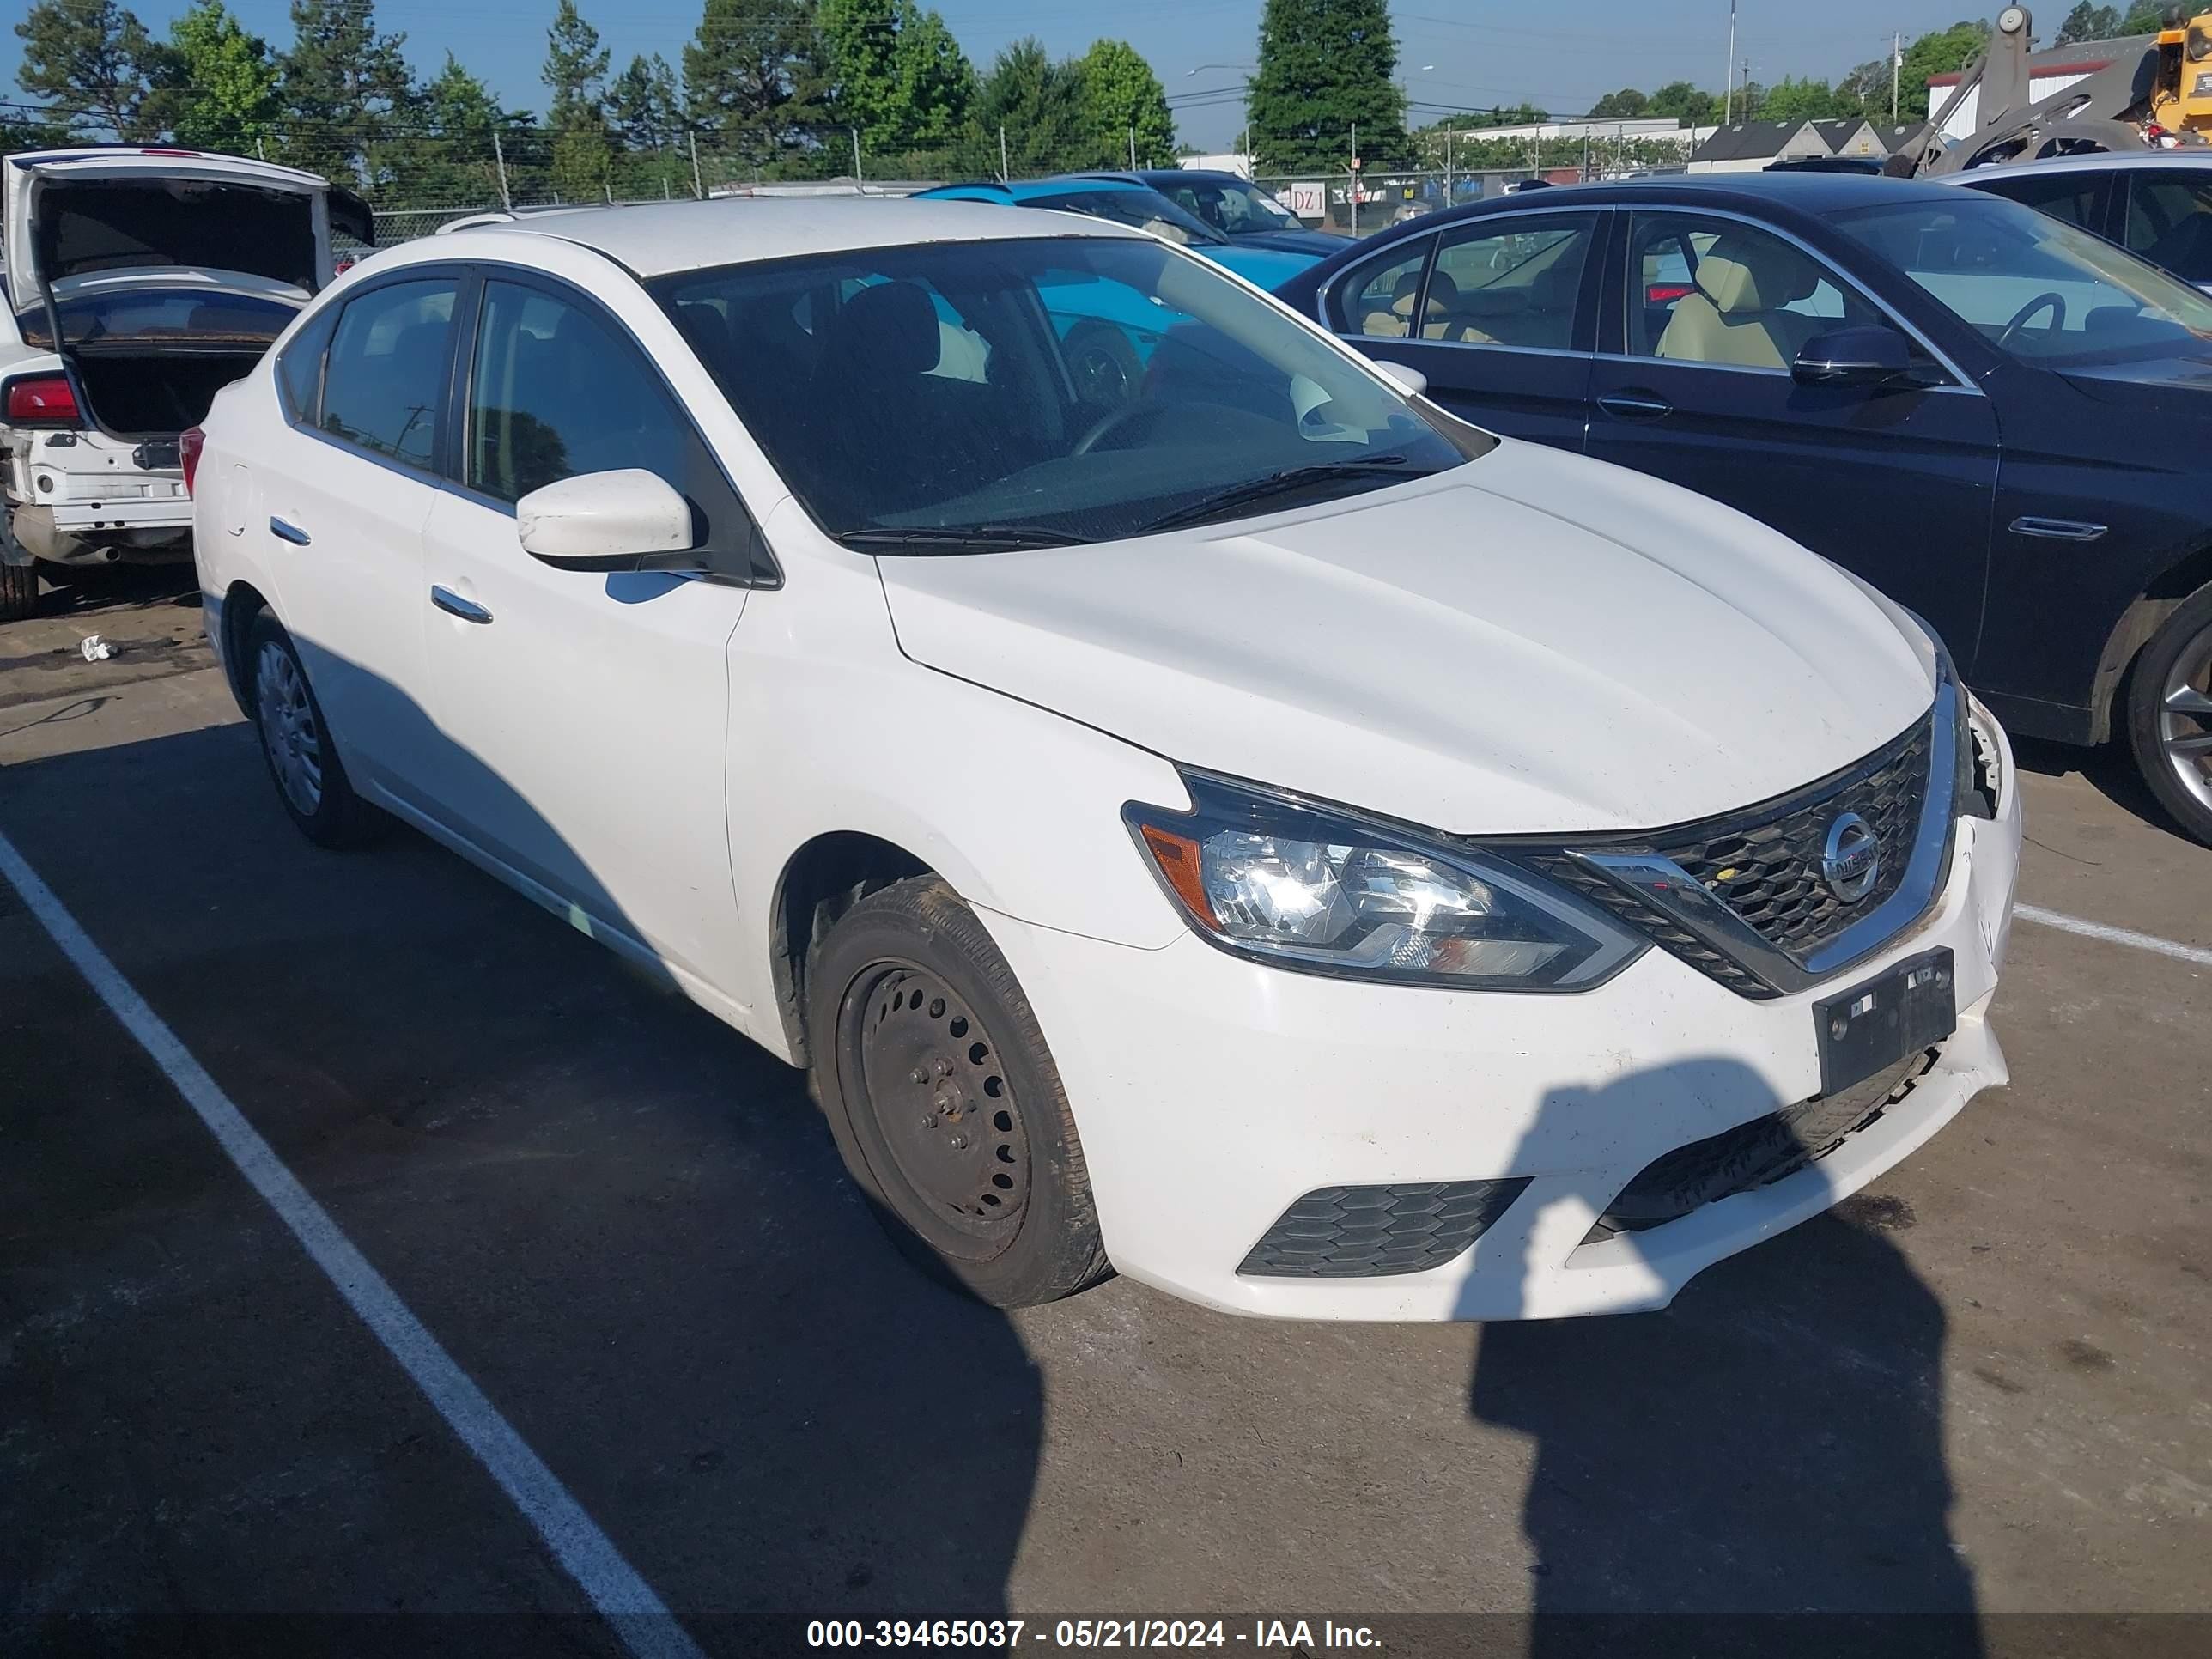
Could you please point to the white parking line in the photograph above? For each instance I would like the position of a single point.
(611, 1584)
(2127, 936)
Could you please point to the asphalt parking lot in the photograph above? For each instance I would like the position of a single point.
(1980, 1388)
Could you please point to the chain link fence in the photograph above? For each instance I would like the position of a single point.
(1347, 203)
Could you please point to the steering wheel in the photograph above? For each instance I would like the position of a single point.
(2055, 303)
(1145, 408)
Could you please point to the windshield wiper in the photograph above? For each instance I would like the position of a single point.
(972, 536)
(1289, 481)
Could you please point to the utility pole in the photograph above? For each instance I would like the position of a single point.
(1448, 164)
(1133, 149)
(1747, 89)
(857, 179)
(499, 158)
(1002, 155)
(1354, 191)
(1727, 76)
(1896, 65)
(698, 189)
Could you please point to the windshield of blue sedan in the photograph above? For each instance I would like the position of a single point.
(1055, 389)
(1137, 206)
(2040, 289)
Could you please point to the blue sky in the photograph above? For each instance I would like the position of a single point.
(1479, 51)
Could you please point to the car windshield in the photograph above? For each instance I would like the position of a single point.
(1137, 207)
(1232, 206)
(2042, 289)
(1034, 391)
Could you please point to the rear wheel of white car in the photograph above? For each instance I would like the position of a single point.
(2170, 714)
(945, 1101)
(310, 779)
(19, 590)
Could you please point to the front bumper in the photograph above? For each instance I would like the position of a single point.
(1212, 1093)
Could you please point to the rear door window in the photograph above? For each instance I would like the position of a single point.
(387, 372)
(2076, 198)
(2170, 221)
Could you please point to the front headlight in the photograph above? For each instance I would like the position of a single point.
(1328, 891)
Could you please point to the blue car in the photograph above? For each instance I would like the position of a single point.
(1992, 417)
(1232, 204)
(1122, 199)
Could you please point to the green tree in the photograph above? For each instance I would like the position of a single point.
(346, 90)
(645, 106)
(753, 75)
(21, 130)
(2087, 21)
(1627, 104)
(894, 74)
(861, 50)
(2145, 17)
(1327, 67)
(1806, 100)
(1688, 105)
(94, 63)
(936, 81)
(216, 87)
(1037, 101)
(441, 153)
(1122, 101)
(576, 72)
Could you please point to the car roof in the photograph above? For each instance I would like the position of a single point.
(656, 238)
(1023, 189)
(1807, 191)
(2197, 156)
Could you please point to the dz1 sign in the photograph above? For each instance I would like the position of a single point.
(1308, 200)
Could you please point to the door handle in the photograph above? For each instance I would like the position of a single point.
(285, 531)
(1628, 407)
(455, 606)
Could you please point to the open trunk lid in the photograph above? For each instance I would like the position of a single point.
(86, 218)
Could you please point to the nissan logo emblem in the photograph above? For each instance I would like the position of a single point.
(1851, 859)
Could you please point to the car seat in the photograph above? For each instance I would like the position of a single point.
(1735, 314)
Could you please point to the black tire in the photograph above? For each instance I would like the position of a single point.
(986, 1128)
(19, 591)
(2183, 645)
(331, 815)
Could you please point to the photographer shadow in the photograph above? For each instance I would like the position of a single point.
(1760, 1465)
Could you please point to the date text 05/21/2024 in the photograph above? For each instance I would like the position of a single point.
(1007, 1633)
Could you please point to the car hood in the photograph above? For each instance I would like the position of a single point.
(1532, 643)
(2160, 385)
(1314, 244)
(1265, 266)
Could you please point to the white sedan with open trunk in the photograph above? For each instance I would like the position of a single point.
(138, 281)
(1239, 826)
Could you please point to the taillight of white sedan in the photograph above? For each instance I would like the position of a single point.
(1195, 809)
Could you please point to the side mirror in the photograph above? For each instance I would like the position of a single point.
(604, 521)
(1863, 356)
(1410, 381)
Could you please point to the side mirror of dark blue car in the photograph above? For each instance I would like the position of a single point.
(1868, 355)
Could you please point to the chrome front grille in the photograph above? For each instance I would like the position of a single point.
(1744, 897)
(1766, 867)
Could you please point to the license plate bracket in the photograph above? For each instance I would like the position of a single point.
(1878, 1021)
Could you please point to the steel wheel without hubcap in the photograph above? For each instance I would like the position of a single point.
(931, 1079)
(2184, 718)
(288, 728)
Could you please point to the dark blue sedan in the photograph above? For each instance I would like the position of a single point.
(1996, 418)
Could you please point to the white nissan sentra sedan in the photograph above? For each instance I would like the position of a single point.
(1219, 819)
